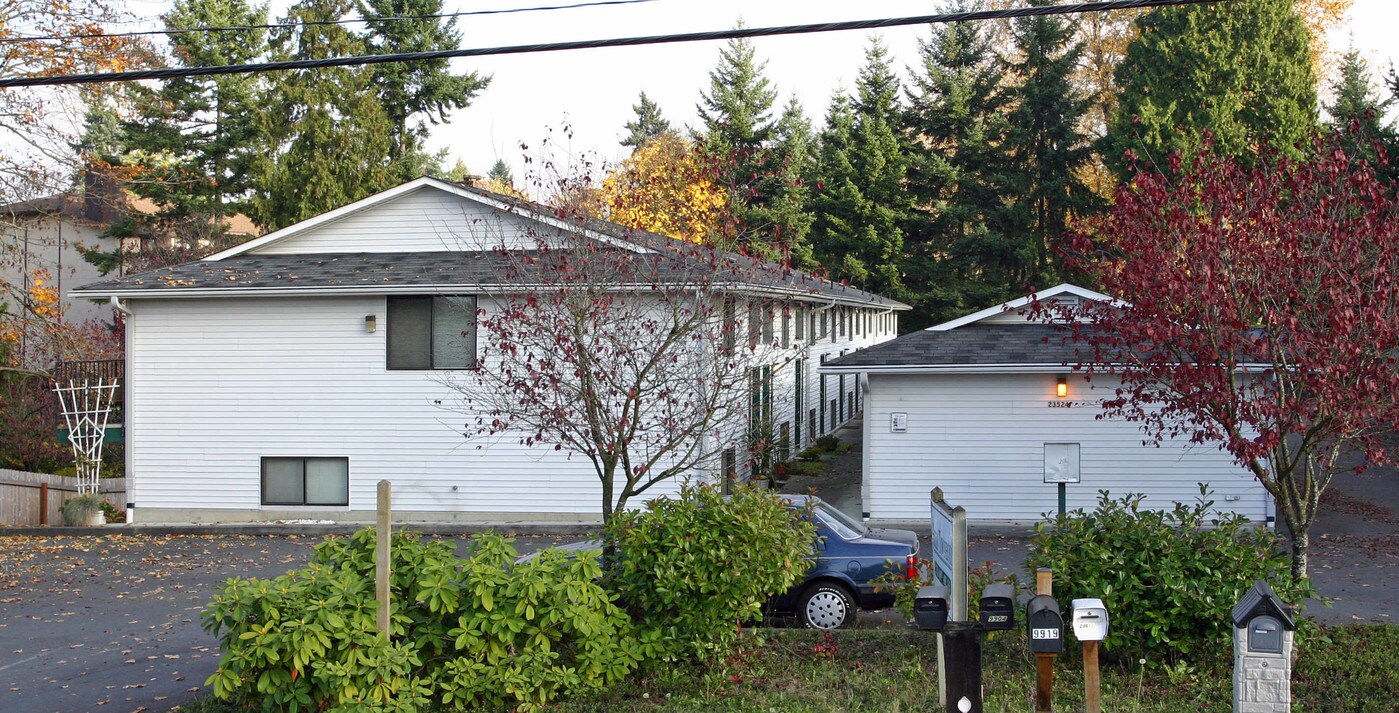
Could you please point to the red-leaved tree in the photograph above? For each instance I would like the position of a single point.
(1260, 311)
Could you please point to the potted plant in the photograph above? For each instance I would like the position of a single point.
(83, 510)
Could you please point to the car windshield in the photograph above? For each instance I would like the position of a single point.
(843, 525)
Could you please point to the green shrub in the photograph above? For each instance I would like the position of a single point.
(692, 569)
(473, 632)
(1168, 578)
(803, 467)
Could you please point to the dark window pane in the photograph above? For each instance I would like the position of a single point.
(410, 332)
(327, 481)
(453, 336)
(282, 482)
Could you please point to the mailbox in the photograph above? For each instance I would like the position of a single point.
(1263, 631)
(930, 608)
(1090, 620)
(1045, 625)
(998, 607)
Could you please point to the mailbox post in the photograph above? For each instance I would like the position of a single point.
(1263, 630)
(1044, 626)
(1091, 627)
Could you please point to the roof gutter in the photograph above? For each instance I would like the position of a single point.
(370, 290)
(900, 369)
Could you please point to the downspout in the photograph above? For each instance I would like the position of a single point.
(116, 304)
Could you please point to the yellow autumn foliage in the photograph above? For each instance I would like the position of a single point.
(666, 187)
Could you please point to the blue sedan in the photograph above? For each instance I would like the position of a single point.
(846, 559)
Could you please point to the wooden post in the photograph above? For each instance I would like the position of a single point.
(1092, 687)
(1044, 663)
(43, 503)
(383, 538)
(963, 641)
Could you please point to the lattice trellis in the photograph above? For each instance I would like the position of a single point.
(86, 407)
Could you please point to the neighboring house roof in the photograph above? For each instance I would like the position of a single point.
(239, 271)
(95, 205)
(972, 349)
(1057, 291)
(999, 338)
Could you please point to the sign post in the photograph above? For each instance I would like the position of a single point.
(383, 540)
(1061, 468)
(950, 569)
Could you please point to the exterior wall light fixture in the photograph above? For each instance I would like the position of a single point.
(1061, 389)
(371, 323)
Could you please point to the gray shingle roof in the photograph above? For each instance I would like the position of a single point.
(973, 344)
(247, 271)
(379, 271)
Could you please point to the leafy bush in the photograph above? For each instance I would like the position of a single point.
(473, 632)
(1168, 578)
(692, 569)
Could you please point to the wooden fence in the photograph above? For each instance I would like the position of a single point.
(22, 496)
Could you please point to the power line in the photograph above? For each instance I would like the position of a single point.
(737, 33)
(311, 23)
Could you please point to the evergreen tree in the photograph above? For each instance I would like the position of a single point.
(791, 160)
(1239, 70)
(192, 140)
(860, 199)
(407, 90)
(743, 141)
(954, 127)
(1357, 105)
(1046, 150)
(328, 139)
(500, 173)
(648, 124)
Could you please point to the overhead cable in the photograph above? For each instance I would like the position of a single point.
(736, 33)
(312, 23)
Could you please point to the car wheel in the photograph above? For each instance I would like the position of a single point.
(826, 606)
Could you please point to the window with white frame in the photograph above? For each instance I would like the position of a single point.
(305, 481)
(431, 332)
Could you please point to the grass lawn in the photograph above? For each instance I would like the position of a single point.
(1349, 669)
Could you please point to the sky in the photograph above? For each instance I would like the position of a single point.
(591, 92)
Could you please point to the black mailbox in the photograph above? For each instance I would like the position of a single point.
(1045, 625)
(998, 607)
(930, 608)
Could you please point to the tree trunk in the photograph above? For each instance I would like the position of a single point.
(1301, 541)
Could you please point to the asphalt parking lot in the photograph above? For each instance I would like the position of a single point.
(110, 622)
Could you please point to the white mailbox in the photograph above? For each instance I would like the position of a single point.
(1090, 620)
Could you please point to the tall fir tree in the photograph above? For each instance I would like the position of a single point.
(500, 173)
(1360, 113)
(1240, 70)
(648, 123)
(861, 200)
(411, 90)
(191, 141)
(954, 127)
(328, 139)
(1045, 149)
(740, 137)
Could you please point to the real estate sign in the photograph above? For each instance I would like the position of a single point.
(950, 553)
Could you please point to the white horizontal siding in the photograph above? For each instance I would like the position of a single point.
(425, 220)
(217, 384)
(981, 438)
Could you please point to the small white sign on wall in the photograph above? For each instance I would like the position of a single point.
(1061, 463)
(898, 422)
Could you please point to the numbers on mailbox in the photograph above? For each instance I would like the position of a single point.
(1044, 634)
